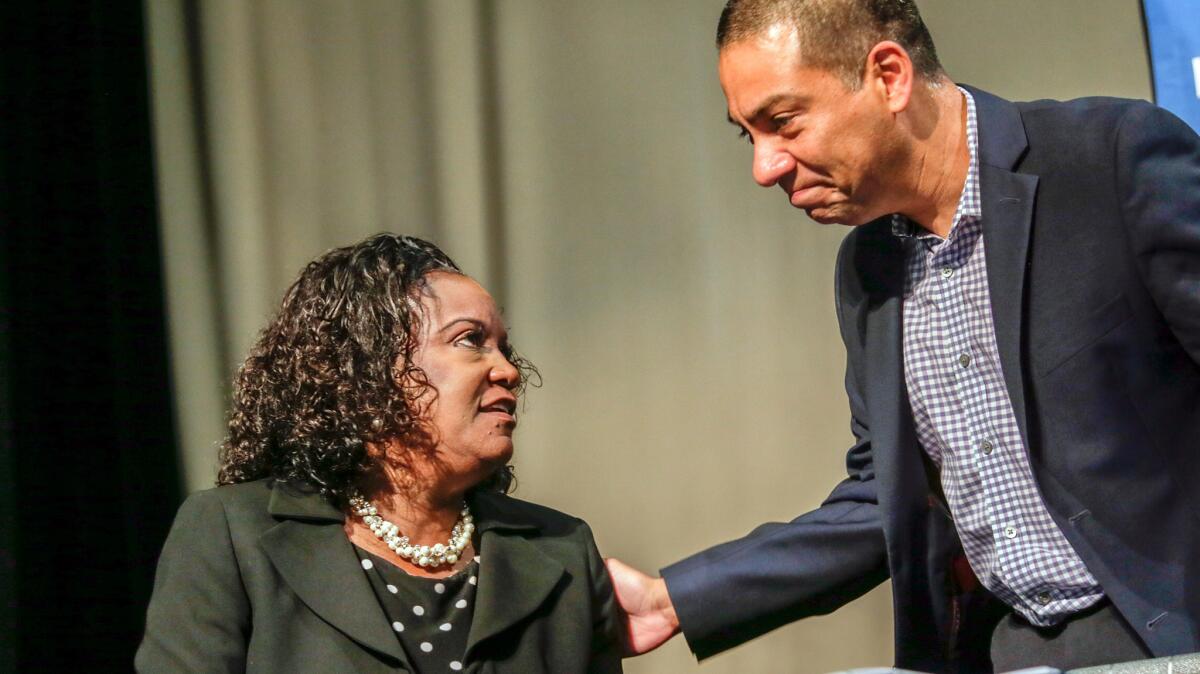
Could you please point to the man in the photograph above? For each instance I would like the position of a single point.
(1020, 304)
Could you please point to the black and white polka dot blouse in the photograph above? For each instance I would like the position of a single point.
(430, 616)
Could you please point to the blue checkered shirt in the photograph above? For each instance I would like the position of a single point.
(966, 424)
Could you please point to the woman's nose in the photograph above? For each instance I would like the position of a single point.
(503, 372)
(771, 163)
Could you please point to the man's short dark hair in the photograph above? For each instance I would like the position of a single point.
(836, 34)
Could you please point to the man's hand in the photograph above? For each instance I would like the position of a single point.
(647, 612)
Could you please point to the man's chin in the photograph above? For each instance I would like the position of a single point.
(826, 215)
(837, 214)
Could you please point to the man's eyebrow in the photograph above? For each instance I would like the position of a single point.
(761, 110)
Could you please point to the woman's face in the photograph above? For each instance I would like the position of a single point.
(461, 348)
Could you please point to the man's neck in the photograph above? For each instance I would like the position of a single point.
(940, 163)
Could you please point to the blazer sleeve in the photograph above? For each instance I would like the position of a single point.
(1158, 176)
(606, 645)
(781, 572)
(199, 615)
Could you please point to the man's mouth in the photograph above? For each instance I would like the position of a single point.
(806, 197)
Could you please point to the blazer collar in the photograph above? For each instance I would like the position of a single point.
(289, 503)
(1007, 199)
(495, 512)
(312, 554)
(515, 575)
(1002, 140)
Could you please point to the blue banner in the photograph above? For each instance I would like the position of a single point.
(1173, 29)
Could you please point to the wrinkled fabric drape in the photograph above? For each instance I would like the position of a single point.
(88, 470)
(288, 127)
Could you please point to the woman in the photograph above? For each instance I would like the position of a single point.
(362, 523)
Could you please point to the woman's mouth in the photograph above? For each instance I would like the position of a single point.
(504, 409)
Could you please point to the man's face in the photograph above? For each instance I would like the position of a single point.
(825, 145)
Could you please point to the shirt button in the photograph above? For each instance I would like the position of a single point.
(965, 360)
(947, 272)
(985, 447)
(1010, 532)
(1043, 598)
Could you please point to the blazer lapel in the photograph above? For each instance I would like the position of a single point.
(315, 559)
(1007, 201)
(887, 395)
(903, 483)
(515, 576)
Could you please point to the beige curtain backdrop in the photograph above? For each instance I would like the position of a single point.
(574, 156)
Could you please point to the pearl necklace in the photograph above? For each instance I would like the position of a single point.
(425, 556)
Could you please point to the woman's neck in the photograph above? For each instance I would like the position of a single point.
(423, 509)
(425, 521)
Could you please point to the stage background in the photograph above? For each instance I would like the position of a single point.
(575, 157)
(88, 462)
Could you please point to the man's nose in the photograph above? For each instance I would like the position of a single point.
(770, 164)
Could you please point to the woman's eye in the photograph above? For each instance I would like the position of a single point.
(473, 338)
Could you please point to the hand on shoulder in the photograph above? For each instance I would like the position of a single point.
(647, 614)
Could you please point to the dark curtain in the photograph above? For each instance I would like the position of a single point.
(87, 448)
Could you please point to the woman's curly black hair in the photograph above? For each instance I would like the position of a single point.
(333, 371)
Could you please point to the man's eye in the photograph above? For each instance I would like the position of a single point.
(745, 135)
(781, 121)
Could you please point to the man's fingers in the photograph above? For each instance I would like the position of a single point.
(645, 608)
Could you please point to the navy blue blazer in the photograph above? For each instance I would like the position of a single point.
(1091, 213)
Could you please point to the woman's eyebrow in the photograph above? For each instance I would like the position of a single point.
(473, 321)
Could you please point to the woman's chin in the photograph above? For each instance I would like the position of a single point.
(503, 455)
(494, 458)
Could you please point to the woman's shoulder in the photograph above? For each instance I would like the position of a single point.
(496, 510)
(234, 495)
(244, 503)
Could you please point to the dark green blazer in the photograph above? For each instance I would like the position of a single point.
(258, 578)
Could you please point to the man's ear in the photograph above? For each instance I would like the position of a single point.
(889, 72)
